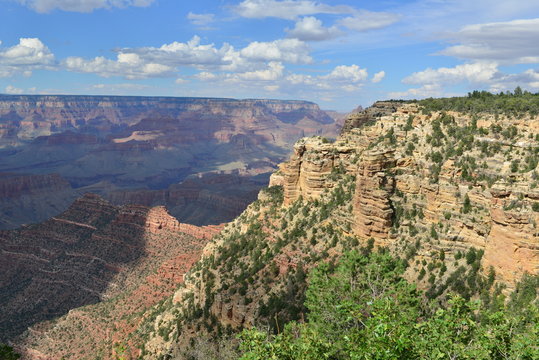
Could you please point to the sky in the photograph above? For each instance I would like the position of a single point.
(339, 54)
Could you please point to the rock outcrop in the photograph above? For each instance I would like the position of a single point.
(372, 200)
(400, 173)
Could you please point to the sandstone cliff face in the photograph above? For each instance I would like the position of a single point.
(307, 173)
(114, 261)
(398, 175)
(372, 200)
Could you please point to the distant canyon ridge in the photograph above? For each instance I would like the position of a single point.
(203, 158)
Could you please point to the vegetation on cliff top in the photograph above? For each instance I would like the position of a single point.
(365, 309)
(515, 103)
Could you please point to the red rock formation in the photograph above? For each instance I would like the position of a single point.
(91, 252)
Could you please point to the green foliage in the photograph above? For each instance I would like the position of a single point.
(467, 206)
(364, 309)
(7, 353)
(517, 102)
(275, 193)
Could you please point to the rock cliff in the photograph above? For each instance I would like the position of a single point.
(451, 193)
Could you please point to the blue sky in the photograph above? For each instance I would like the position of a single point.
(339, 54)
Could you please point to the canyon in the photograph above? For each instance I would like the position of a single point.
(452, 194)
(143, 149)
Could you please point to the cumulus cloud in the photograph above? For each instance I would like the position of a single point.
(379, 76)
(273, 72)
(83, 6)
(528, 79)
(425, 91)
(342, 77)
(482, 75)
(130, 66)
(286, 50)
(311, 29)
(29, 54)
(179, 53)
(147, 62)
(364, 20)
(206, 76)
(352, 73)
(13, 90)
(200, 19)
(286, 9)
(476, 73)
(512, 42)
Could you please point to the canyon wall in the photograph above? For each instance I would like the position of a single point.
(148, 149)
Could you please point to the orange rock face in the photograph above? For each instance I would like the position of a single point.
(388, 177)
(372, 204)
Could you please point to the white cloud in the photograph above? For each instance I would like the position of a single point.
(528, 79)
(347, 78)
(206, 76)
(147, 62)
(130, 66)
(512, 42)
(352, 73)
(481, 75)
(476, 73)
(178, 53)
(286, 9)
(273, 72)
(364, 20)
(84, 6)
(119, 87)
(311, 29)
(379, 76)
(286, 50)
(425, 91)
(29, 54)
(200, 19)
(13, 90)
